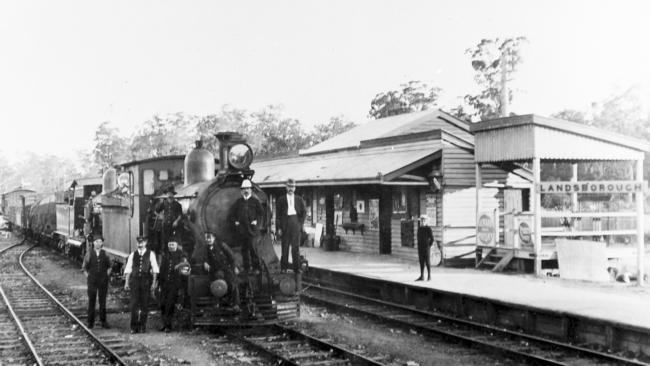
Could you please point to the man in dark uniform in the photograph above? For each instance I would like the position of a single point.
(425, 240)
(92, 216)
(172, 212)
(97, 268)
(141, 273)
(246, 215)
(290, 211)
(170, 282)
(219, 262)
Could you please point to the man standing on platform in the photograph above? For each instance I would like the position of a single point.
(172, 212)
(290, 211)
(97, 268)
(141, 273)
(170, 282)
(425, 240)
(247, 215)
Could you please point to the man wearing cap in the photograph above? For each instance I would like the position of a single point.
(219, 262)
(246, 215)
(92, 217)
(290, 212)
(172, 212)
(425, 240)
(97, 268)
(141, 273)
(170, 282)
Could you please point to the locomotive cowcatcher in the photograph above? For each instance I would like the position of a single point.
(207, 195)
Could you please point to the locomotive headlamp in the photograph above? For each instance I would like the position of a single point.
(240, 156)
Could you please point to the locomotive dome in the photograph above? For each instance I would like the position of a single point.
(199, 165)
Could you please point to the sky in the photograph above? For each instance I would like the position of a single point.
(67, 66)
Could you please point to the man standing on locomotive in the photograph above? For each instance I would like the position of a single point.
(246, 215)
(141, 273)
(97, 268)
(290, 210)
(172, 212)
(170, 282)
(219, 262)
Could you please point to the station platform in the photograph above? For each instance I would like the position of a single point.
(617, 302)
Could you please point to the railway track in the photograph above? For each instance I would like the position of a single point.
(288, 346)
(520, 346)
(49, 331)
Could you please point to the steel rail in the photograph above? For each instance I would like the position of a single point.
(351, 357)
(473, 325)
(15, 318)
(114, 356)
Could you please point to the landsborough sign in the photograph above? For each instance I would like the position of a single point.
(593, 187)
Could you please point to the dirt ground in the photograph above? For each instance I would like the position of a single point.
(197, 347)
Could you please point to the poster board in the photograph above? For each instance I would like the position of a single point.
(582, 260)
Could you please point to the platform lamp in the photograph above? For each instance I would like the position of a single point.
(435, 180)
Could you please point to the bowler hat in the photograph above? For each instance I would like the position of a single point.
(140, 238)
(290, 182)
(171, 190)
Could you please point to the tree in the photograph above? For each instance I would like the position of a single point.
(336, 126)
(413, 96)
(622, 113)
(228, 119)
(570, 115)
(161, 136)
(269, 133)
(110, 147)
(494, 62)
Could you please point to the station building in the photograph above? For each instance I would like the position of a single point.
(368, 186)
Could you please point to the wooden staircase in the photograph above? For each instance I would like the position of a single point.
(496, 259)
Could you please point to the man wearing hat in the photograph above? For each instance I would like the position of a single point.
(219, 262)
(425, 240)
(97, 268)
(290, 212)
(246, 215)
(140, 273)
(170, 282)
(172, 212)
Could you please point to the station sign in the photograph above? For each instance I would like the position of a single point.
(632, 186)
(485, 229)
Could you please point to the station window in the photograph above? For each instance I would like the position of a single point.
(148, 182)
(399, 201)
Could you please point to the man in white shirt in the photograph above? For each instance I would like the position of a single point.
(141, 274)
(290, 213)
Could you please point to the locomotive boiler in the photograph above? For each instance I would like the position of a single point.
(207, 189)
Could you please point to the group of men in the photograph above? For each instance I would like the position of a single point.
(144, 275)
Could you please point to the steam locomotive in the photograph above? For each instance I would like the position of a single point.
(206, 195)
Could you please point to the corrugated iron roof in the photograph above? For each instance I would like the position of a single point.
(562, 126)
(408, 123)
(365, 166)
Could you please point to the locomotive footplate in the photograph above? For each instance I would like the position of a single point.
(258, 309)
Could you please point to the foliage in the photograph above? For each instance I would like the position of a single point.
(228, 119)
(570, 115)
(336, 126)
(110, 147)
(162, 136)
(486, 58)
(622, 113)
(413, 96)
(270, 133)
